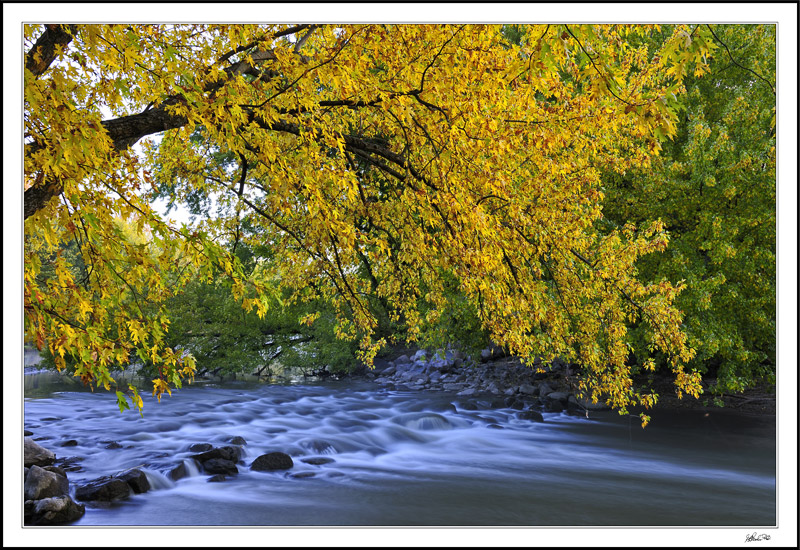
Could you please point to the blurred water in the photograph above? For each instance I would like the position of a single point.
(411, 458)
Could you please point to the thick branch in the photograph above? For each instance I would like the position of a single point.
(52, 37)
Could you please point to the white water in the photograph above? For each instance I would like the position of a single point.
(410, 458)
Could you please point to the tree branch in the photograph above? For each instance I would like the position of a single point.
(43, 53)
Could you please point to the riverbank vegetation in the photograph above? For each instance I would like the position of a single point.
(604, 194)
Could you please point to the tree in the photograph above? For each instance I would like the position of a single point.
(714, 189)
(377, 160)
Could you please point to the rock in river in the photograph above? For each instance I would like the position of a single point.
(220, 466)
(37, 455)
(41, 484)
(272, 461)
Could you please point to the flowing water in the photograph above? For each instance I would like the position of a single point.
(402, 458)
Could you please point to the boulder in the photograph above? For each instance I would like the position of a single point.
(69, 443)
(55, 511)
(37, 455)
(237, 440)
(229, 452)
(56, 470)
(527, 389)
(272, 461)
(105, 489)
(113, 445)
(220, 466)
(136, 479)
(492, 352)
(558, 396)
(388, 371)
(419, 355)
(178, 472)
(545, 389)
(201, 447)
(553, 406)
(39, 484)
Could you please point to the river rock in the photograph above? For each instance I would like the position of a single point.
(515, 403)
(494, 389)
(54, 511)
(389, 371)
(136, 479)
(272, 461)
(527, 389)
(531, 415)
(220, 466)
(178, 472)
(317, 460)
(37, 455)
(69, 443)
(201, 447)
(228, 452)
(545, 389)
(218, 477)
(558, 396)
(39, 484)
(553, 406)
(237, 440)
(56, 470)
(105, 489)
(69, 464)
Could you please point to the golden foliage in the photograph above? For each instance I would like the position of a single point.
(412, 149)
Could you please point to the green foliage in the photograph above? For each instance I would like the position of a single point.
(714, 189)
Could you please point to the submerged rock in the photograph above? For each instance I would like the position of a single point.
(317, 460)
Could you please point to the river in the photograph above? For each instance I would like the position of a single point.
(402, 458)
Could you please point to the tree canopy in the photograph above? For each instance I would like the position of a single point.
(428, 167)
(714, 187)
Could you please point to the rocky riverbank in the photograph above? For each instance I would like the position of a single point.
(495, 379)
